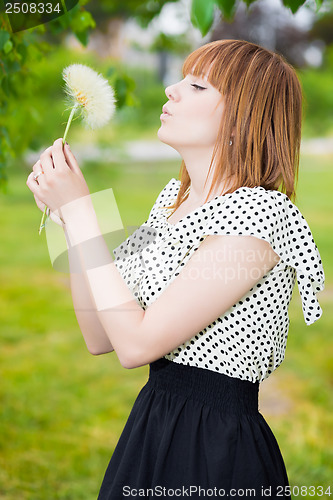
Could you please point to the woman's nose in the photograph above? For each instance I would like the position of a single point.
(168, 92)
(171, 92)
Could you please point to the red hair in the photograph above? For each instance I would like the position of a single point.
(262, 115)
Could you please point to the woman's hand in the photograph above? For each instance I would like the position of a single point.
(56, 178)
(53, 215)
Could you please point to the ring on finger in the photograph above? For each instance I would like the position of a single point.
(37, 175)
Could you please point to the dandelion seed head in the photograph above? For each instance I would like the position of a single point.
(86, 88)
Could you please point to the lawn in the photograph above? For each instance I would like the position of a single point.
(62, 410)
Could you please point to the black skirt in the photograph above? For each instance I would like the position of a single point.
(194, 433)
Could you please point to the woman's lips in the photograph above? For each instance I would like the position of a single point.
(165, 112)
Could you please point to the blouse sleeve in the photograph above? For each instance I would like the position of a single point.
(271, 216)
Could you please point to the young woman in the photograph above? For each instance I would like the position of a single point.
(205, 301)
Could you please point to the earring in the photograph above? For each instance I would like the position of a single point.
(230, 143)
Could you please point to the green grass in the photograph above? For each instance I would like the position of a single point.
(62, 410)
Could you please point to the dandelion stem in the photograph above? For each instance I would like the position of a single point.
(74, 108)
(76, 105)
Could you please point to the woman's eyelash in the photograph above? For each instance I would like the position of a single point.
(198, 87)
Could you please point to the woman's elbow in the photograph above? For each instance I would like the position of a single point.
(132, 359)
(97, 350)
(125, 360)
(127, 363)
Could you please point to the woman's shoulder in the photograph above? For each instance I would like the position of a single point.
(269, 213)
(254, 201)
(248, 205)
(258, 194)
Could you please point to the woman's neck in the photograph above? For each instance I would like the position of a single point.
(197, 165)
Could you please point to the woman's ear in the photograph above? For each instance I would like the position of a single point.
(232, 137)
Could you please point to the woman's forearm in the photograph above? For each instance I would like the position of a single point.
(92, 330)
(113, 303)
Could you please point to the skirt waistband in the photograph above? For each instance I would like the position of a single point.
(227, 394)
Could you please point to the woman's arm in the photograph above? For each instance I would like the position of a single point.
(92, 330)
(204, 290)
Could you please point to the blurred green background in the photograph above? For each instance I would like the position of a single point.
(61, 409)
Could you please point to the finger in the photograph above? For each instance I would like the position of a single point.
(46, 160)
(37, 168)
(54, 217)
(71, 160)
(48, 150)
(39, 203)
(38, 164)
(58, 156)
(32, 184)
(45, 152)
(38, 173)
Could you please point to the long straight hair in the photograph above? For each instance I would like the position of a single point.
(262, 117)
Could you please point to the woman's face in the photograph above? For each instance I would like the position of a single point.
(192, 116)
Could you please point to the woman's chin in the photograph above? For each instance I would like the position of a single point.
(162, 136)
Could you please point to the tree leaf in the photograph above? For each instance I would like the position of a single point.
(83, 37)
(80, 24)
(319, 3)
(202, 15)
(82, 21)
(8, 46)
(227, 7)
(293, 5)
(4, 37)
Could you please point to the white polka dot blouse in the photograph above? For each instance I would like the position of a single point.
(249, 340)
